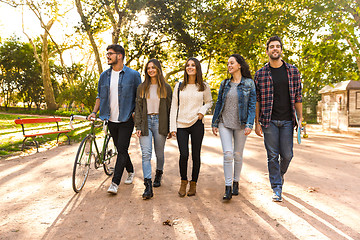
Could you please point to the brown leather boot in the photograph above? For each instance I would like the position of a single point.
(182, 190)
(192, 189)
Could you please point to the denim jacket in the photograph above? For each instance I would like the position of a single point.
(129, 80)
(247, 102)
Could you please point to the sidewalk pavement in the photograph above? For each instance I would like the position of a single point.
(354, 131)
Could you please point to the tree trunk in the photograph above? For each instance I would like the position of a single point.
(90, 35)
(116, 24)
(45, 74)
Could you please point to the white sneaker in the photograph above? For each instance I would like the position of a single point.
(113, 188)
(130, 178)
(277, 196)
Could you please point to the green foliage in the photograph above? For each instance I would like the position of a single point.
(11, 136)
(94, 15)
(320, 37)
(329, 53)
(329, 63)
(82, 91)
(20, 73)
(47, 112)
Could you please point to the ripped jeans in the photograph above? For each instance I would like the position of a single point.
(233, 152)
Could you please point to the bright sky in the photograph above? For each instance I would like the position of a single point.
(11, 24)
(10, 21)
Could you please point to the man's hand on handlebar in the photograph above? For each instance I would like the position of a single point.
(91, 115)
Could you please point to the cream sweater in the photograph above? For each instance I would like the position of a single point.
(191, 103)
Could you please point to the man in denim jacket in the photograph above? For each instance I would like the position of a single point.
(116, 102)
(278, 94)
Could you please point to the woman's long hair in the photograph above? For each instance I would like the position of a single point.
(245, 70)
(145, 86)
(199, 79)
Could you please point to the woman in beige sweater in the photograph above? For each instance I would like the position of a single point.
(189, 104)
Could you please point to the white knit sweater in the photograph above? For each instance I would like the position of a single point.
(191, 103)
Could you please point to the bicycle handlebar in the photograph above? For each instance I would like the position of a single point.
(80, 117)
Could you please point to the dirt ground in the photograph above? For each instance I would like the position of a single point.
(321, 196)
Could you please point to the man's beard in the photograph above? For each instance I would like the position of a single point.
(113, 63)
(275, 58)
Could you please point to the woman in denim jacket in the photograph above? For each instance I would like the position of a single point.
(153, 101)
(234, 118)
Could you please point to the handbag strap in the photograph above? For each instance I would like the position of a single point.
(178, 95)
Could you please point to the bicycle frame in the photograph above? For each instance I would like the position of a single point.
(88, 149)
(101, 154)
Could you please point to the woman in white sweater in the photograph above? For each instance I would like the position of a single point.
(189, 104)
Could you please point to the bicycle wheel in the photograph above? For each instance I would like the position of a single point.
(110, 156)
(82, 164)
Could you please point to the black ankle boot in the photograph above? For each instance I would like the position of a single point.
(228, 193)
(235, 188)
(158, 175)
(148, 192)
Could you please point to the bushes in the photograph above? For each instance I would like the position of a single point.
(82, 92)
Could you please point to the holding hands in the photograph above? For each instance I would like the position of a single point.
(247, 131)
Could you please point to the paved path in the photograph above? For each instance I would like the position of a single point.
(320, 196)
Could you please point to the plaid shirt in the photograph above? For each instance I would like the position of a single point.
(265, 91)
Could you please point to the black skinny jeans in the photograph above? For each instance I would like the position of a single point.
(196, 133)
(121, 133)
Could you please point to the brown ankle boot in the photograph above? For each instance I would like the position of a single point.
(182, 190)
(192, 189)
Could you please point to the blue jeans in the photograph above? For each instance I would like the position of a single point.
(233, 143)
(278, 140)
(146, 146)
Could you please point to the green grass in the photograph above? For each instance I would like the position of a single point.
(2, 152)
(7, 122)
(10, 116)
(60, 112)
(11, 135)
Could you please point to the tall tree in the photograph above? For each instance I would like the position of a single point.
(342, 19)
(97, 16)
(21, 72)
(86, 25)
(47, 12)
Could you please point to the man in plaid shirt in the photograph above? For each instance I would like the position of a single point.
(278, 96)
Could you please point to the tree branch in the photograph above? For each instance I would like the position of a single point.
(30, 40)
(11, 3)
(167, 76)
(90, 35)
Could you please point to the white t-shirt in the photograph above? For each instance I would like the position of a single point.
(114, 96)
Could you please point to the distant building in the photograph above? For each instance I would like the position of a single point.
(339, 107)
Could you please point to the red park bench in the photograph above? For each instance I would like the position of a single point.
(41, 120)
